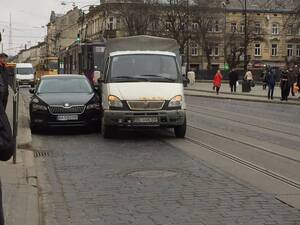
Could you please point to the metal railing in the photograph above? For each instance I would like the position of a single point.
(15, 87)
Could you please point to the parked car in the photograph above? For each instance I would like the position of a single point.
(64, 100)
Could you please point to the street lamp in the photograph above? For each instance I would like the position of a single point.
(188, 38)
(245, 37)
(224, 4)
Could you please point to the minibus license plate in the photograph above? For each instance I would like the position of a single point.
(146, 120)
(67, 117)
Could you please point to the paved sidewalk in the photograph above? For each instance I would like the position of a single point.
(20, 194)
(257, 94)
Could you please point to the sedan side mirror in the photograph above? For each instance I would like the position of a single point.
(31, 91)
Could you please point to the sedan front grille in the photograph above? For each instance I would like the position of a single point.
(76, 109)
(146, 105)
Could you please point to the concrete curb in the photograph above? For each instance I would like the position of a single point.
(243, 99)
(238, 94)
(24, 133)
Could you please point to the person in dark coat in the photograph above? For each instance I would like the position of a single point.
(270, 81)
(7, 144)
(292, 78)
(233, 78)
(284, 85)
(3, 80)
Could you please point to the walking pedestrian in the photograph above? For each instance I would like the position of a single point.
(233, 79)
(6, 148)
(217, 81)
(298, 81)
(3, 80)
(292, 78)
(271, 81)
(249, 79)
(284, 85)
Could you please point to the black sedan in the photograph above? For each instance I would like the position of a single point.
(64, 100)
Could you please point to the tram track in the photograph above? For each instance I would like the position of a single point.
(260, 148)
(237, 121)
(246, 163)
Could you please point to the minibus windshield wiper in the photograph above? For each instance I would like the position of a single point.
(157, 76)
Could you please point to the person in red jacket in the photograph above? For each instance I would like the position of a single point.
(217, 81)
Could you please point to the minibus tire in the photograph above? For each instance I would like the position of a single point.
(180, 130)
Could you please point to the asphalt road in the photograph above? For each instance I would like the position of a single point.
(150, 177)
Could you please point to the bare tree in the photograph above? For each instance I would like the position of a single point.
(206, 27)
(174, 20)
(137, 16)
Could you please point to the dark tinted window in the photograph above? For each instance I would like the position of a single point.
(65, 85)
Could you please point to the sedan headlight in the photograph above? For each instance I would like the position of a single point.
(37, 105)
(176, 102)
(114, 101)
(95, 105)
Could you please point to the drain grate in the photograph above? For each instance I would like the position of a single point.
(39, 154)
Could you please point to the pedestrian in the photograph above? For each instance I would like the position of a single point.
(217, 81)
(192, 77)
(233, 79)
(298, 81)
(292, 78)
(3, 80)
(6, 148)
(264, 77)
(271, 81)
(284, 85)
(249, 79)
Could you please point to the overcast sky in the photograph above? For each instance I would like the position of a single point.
(28, 19)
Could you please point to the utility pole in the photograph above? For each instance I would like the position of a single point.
(10, 43)
(246, 38)
(188, 39)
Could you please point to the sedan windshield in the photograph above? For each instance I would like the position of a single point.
(65, 85)
(134, 68)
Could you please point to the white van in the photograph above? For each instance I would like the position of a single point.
(25, 74)
(141, 85)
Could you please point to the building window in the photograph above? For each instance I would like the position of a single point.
(290, 50)
(194, 50)
(257, 50)
(111, 23)
(195, 26)
(298, 50)
(257, 28)
(242, 28)
(233, 27)
(275, 28)
(209, 26)
(214, 50)
(274, 50)
(168, 25)
(290, 29)
(298, 30)
(217, 29)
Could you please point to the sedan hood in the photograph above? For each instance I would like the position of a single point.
(63, 98)
(145, 90)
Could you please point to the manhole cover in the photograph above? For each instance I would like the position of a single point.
(153, 173)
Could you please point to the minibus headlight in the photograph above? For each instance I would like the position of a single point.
(176, 101)
(114, 101)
